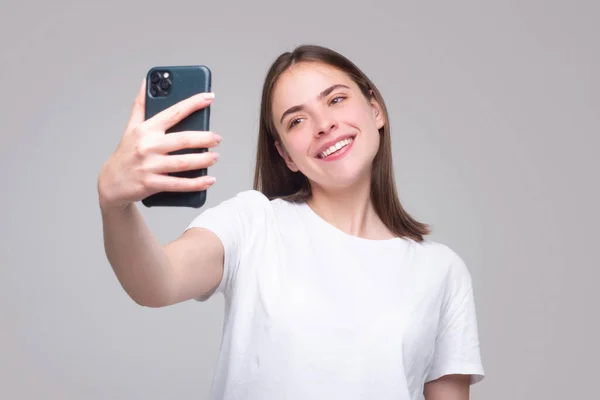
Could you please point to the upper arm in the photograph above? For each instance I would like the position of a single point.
(206, 257)
(448, 387)
(196, 258)
(457, 349)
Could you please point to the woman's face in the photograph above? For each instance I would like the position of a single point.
(315, 107)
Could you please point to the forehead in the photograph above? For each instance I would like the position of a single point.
(302, 83)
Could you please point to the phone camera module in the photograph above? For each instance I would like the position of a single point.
(165, 84)
(160, 84)
(155, 77)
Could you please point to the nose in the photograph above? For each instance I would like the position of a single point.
(325, 124)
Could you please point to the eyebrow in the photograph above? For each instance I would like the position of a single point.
(319, 97)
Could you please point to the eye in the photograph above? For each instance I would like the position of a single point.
(337, 99)
(294, 122)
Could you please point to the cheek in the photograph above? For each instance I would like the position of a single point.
(362, 118)
(298, 146)
(358, 115)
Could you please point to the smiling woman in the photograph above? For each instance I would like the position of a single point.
(315, 90)
(332, 290)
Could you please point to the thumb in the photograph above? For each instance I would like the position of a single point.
(138, 111)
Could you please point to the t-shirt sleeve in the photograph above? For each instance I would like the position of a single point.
(457, 349)
(231, 221)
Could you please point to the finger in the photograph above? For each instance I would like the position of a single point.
(158, 183)
(137, 115)
(185, 140)
(174, 114)
(183, 162)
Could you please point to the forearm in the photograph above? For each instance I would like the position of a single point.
(449, 387)
(136, 256)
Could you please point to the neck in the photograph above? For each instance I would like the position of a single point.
(350, 210)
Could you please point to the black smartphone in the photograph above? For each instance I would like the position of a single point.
(166, 86)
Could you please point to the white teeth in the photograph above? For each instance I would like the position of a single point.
(335, 147)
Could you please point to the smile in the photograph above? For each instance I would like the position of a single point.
(337, 151)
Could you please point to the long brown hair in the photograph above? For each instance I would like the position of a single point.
(274, 179)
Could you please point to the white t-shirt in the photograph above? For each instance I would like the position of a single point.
(314, 313)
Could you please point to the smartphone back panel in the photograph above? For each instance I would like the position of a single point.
(166, 86)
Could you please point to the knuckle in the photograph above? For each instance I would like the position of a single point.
(185, 142)
(143, 169)
(175, 113)
(181, 164)
(183, 184)
(138, 130)
(145, 183)
(140, 148)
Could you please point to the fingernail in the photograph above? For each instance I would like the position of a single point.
(216, 155)
(218, 137)
(208, 96)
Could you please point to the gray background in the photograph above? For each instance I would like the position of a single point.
(494, 111)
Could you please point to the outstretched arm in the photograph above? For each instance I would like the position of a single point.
(448, 387)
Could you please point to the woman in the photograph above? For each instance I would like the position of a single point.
(331, 289)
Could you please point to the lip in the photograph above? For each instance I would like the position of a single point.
(338, 154)
(331, 142)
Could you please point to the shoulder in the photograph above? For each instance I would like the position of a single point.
(252, 196)
(241, 208)
(254, 208)
(446, 260)
(243, 202)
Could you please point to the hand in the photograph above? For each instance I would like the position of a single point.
(140, 165)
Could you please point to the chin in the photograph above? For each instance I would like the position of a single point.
(343, 179)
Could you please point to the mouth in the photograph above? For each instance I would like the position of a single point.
(337, 150)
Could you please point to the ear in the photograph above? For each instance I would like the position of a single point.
(283, 153)
(378, 114)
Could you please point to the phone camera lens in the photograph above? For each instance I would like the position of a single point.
(153, 91)
(165, 84)
(154, 77)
